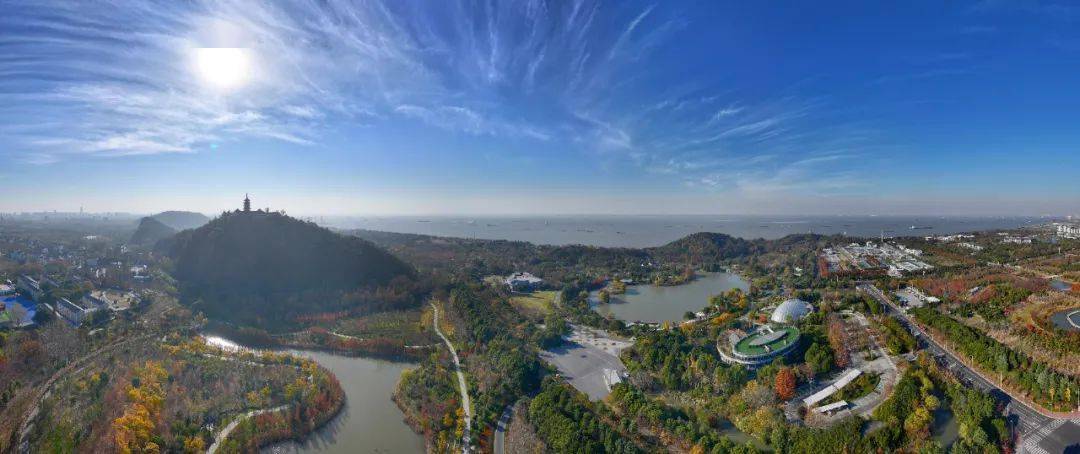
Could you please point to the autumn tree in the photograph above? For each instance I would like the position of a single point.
(838, 340)
(785, 384)
(146, 395)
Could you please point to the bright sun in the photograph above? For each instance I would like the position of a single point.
(224, 68)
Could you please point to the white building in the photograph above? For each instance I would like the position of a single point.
(791, 311)
(1071, 231)
(1017, 239)
(104, 300)
(75, 313)
(522, 282)
(972, 246)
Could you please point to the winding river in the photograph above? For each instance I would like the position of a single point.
(370, 421)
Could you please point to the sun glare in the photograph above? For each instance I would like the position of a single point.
(224, 68)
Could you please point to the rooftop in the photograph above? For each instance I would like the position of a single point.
(767, 341)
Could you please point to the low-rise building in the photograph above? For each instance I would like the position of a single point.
(1071, 231)
(75, 313)
(30, 287)
(523, 282)
(972, 246)
(1017, 239)
(760, 347)
(112, 301)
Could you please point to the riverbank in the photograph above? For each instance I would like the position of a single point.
(313, 400)
(322, 340)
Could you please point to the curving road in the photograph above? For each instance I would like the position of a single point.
(71, 368)
(1039, 432)
(498, 446)
(462, 386)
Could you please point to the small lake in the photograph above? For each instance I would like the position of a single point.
(370, 421)
(1068, 320)
(945, 429)
(733, 433)
(651, 303)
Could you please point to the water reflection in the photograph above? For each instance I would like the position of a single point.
(650, 303)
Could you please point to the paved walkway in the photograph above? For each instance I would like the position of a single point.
(221, 436)
(498, 444)
(462, 386)
(71, 369)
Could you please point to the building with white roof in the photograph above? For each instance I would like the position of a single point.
(522, 282)
(791, 311)
(1071, 231)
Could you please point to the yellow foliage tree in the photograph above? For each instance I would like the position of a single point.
(194, 444)
(134, 428)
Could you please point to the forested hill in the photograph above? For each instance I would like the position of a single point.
(265, 268)
(150, 231)
(181, 220)
(482, 257)
(706, 247)
(163, 225)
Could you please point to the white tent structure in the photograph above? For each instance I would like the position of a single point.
(791, 311)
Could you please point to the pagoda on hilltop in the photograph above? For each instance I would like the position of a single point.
(247, 203)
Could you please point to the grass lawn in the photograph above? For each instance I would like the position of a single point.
(535, 304)
(861, 386)
(405, 325)
(744, 346)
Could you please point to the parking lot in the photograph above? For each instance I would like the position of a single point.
(589, 361)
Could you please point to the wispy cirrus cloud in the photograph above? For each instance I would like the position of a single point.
(560, 74)
(127, 91)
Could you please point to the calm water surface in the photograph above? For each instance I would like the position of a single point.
(945, 429)
(1068, 320)
(370, 421)
(650, 303)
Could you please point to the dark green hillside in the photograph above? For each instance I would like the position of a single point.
(705, 247)
(150, 231)
(260, 268)
(181, 220)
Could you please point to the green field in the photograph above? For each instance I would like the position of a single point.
(744, 347)
(535, 303)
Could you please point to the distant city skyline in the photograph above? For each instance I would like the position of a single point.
(575, 107)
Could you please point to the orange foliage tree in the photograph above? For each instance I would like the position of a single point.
(785, 384)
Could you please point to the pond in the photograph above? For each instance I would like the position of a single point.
(370, 421)
(1068, 320)
(1060, 285)
(733, 433)
(651, 303)
(945, 429)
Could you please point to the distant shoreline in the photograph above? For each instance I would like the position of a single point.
(652, 231)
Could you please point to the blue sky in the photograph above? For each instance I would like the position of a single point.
(531, 107)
